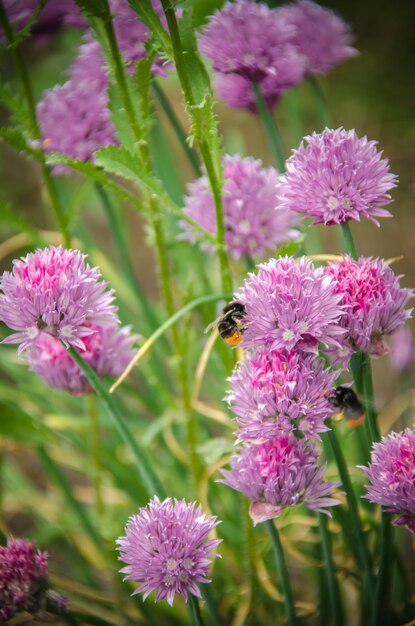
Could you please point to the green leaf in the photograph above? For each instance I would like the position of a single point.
(20, 426)
(14, 103)
(147, 14)
(94, 8)
(25, 32)
(9, 216)
(16, 137)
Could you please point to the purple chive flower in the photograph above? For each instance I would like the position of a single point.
(373, 299)
(273, 392)
(391, 473)
(402, 354)
(336, 177)
(23, 577)
(56, 292)
(254, 220)
(277, 474)
(290, 305)
(52, 17)
(167, 549)
(108, 351)
(249, 43)
(322, 37)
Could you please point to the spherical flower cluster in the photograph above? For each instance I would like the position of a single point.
(322, 37)
(373, 300)
(254, 220)
(108, 351)
(276, 392)
(23, 575)
(391, 473)
(249, 43)
(290, 305)
(54, 291)
(278, 474)
(402, 354)
(337, 176)
(167, 550)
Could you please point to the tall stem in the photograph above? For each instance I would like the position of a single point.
(177, 127)
(320, 101)
(96, 454)
(369, 398)
(34, 125)
(283, 573)
(356, 526)
(348, 240)
(271, 128)
(195, 611)
(330, 571)
(380, 615)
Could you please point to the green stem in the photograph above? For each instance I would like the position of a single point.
(380, 615)
(271, 128)
(215, 617)
(320, 101)
(177, 127)
(348, 240)
(195, 611)
(214, 181)
(330, 571)
(283, 573)
(149, 479)
(369, 398)
(59, 478)
(34, 125)
(356, 526)
(96, 455)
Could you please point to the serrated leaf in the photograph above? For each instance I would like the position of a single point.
(16, 137)
(147, 14)
(94, 8)
(24, 32)
(14, 104)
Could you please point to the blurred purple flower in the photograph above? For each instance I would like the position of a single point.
(290, 305)
(322, 37)
(167, 549)
(273, 392)
(402, 354)
(254, 220)
(337, 177)
(373, 299)
(391, 473)
(54, 15)
(249, 43)
(277, 474)
(23, 576)
(108, 351)
(54, 291)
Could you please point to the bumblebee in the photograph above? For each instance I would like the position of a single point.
(345, 399)
(230, 323)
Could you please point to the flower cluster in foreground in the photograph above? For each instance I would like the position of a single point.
(253, 216)
(251, 44)
(391, 473)
(167, 549)
(278, 474)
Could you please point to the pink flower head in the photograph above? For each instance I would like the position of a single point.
(337, 177)
(108, 351)
(53, 15)
(54, 291)
(167, 549)
(273, 392)
(23, 576)
(391, 473)
(402, 354)
(277, 474)
(290, 305)
(321, 36)
(373, 299)
(254, 220)
(248, 43)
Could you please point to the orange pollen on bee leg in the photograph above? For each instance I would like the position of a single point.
(356, 422)
(234, 339)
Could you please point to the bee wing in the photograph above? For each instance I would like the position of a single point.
(212, 325)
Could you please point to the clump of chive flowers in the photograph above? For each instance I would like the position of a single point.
(391, 473)
(108, 351)
(54, 291)
(374, 302)
(290, 305)
(167, 549)
(274, 392)
(402, 353)
(254, 220)
(277, 474)
(23, 579)
(321, 36)
(336, 176)
(249, 43)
